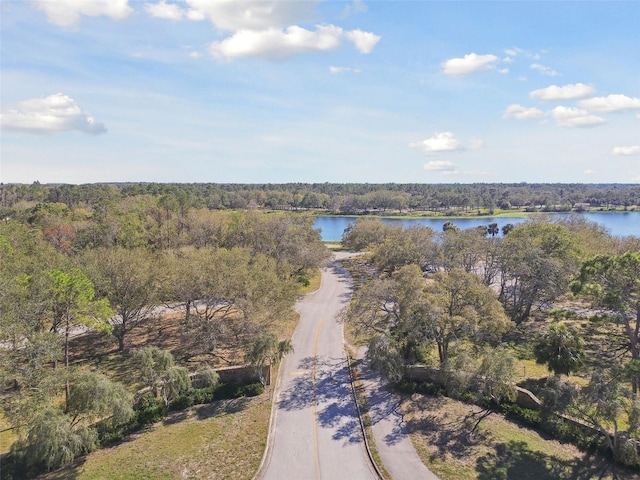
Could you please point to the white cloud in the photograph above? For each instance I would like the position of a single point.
(334, 70)
(276, 44)
(67, 13)
(364, 41)
(443, 166)
(169, 11)
(439, 142)
(566, 92)
(544, 70)
(235, 15)
(575, 117)
(52, 114)
(589, 171)
(264, 28)
(470, 63)
(611, 103)
(515, 51)
(630, 150)
(504, 71)
(522, 113)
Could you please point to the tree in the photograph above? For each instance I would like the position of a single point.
(266, 349)
(537, 262)
(488, 380)
(613, 282)
(94, 397)
(161, 374)
(492, 229)
(506, 228)
(602, 404)
(366, 232)
(450, 227)
(400, 247)
(51, 442)
(406, 312)
(560, 349)
(53, 438)
(458, 305)
(73, 305)
(128, 279)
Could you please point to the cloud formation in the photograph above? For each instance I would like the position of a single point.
(522, 113)
(468, 64)
(67, 13)
(544, 70)
(235, 15)
(610, 103)
(575, 117)
(52, 114)
(442, 166)
(439, 142)
(263, 29)
(566, 92)
(630, 150)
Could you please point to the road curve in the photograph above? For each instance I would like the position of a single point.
(315, 432)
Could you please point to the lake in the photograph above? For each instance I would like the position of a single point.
(619, 224)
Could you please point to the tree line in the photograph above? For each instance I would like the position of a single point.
(333, 197)
(469, 303)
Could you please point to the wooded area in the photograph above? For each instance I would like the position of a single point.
(220, 282)
(563, 293)
(219, 266)
(333, 197)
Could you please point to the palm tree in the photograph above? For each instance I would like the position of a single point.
(561, 349)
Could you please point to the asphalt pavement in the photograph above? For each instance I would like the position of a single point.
(315, 432)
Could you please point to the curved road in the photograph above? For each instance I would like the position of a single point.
(315, 432)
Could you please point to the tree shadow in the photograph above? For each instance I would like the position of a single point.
(382, 404)
(344, 277)
(221, 407)
(325, 384)
(451, 435)
(513, 460)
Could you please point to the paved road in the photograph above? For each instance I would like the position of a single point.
(315, 432)
(392, 439)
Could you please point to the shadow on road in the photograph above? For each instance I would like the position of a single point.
(382, 404)
(329, 390)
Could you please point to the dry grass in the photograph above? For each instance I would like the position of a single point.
(223, 440)
(7, 435)
(440, 430)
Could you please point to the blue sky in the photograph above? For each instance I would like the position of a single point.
(366, 91)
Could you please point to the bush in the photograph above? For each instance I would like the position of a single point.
(424, 388)
(149, 410)
(522, 415)
(250, 390)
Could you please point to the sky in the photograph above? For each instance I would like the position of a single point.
(236, 91)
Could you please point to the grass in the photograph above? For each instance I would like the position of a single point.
(440, 430)
(7, 435)
(222, 440)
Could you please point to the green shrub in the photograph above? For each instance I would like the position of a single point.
(522, 415)
(150, 410)
(250, 390)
